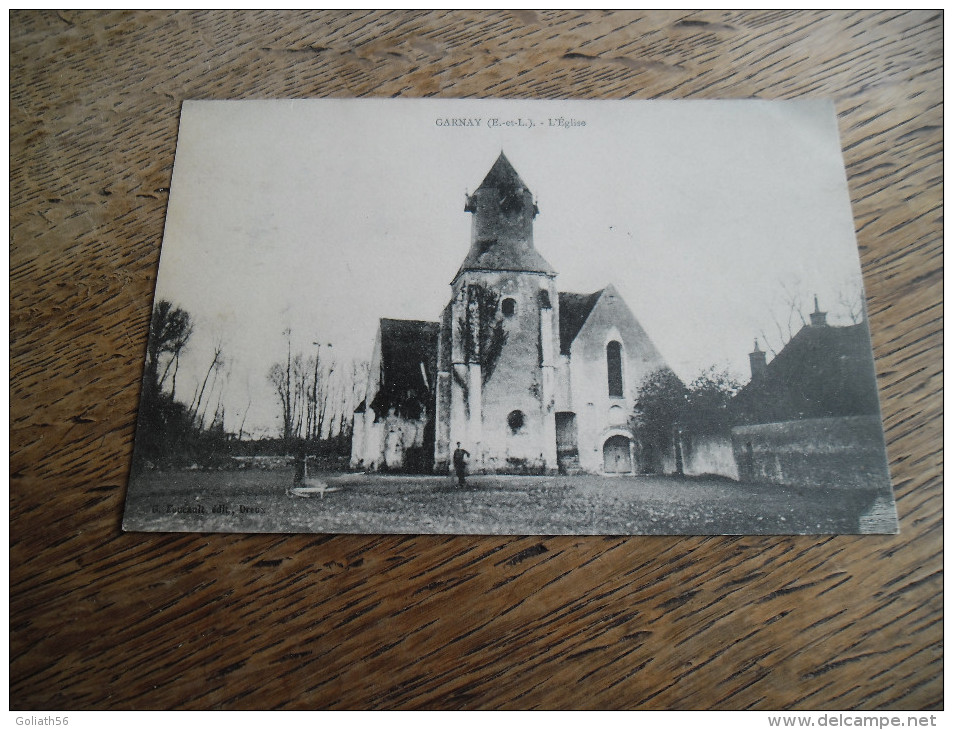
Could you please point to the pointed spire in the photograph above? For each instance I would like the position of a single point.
(503, 210)
(503, 176)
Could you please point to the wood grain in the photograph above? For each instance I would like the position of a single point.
(102, 619)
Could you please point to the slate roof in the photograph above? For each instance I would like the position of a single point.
(405, 344)
(493, 255)
(503, 177)
(822, 372)
(574, 310)
(499, 257)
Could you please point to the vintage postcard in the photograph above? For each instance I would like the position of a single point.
(509, 317)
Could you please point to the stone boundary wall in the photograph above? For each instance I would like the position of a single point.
(708, 454)
(844, 452)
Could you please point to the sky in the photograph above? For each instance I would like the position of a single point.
(322, 216)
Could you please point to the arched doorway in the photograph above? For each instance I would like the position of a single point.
(616, 455)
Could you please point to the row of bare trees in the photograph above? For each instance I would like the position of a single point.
(167, 428)
(170, 330)
(791, 311)
(317, 396)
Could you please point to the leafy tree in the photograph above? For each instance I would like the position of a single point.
(659, 406)
(707, 401)
(664, 406)
(169, 331)
(164, 425)
(660, 402)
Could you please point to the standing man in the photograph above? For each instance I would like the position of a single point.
(460, 456)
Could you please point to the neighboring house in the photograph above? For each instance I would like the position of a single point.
(811, 416)
(526, 378)
(823, 372)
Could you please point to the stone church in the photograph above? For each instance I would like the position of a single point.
(526, 378)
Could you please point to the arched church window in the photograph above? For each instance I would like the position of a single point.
(509, 307)
(544, 299)
(614, 366)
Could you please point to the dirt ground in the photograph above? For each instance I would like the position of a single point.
(258, 501)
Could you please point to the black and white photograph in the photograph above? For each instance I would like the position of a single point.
(512, 318)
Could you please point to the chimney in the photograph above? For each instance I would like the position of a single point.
(818, 318)
(758, 362)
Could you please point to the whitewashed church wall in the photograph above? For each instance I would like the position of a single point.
(442, 450)
(357, 442)
(399, 435)
(564, 401)
(598, 415)
(386, 442)
(373, 442)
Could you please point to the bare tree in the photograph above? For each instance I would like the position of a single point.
(787, 318)
(175, 373)
(280, 378)
(351, 393)
(323, 401)
(298, 385)
(276, 376)
(197, 397)
(316, 395)
(220, 378)
(218, 421)
(314, 363)
(360, 370)
(241, 428)
(853, 305)
(789, 313)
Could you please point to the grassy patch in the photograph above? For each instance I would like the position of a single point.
(254, 501)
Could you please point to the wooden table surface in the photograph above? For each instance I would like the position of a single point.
(102, 619)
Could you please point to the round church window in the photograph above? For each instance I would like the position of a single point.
(515, 421)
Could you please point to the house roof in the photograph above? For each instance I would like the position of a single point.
(822, 372)
(574, 310)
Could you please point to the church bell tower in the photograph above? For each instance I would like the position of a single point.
(499, 338)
